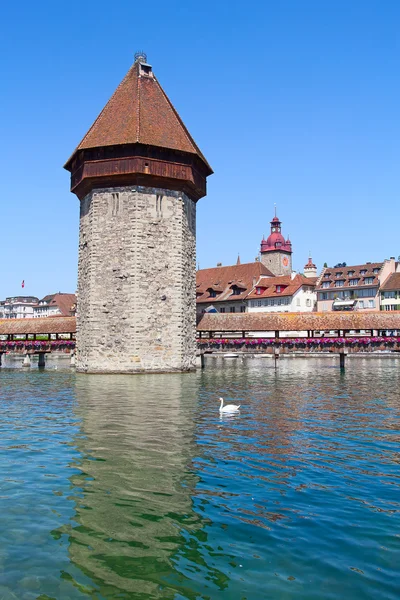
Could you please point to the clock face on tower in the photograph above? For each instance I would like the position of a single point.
(285, 261)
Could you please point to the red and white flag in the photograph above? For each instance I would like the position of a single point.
(23, 283)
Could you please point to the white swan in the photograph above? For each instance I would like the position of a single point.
(229, 408)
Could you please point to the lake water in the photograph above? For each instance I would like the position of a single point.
(134, 487)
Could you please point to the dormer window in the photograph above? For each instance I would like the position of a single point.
(350, 273)
(376, 271)
(236, 291)
(327, 275)
(259, 291)
(145, 69)
(278, 289)
(363, 271)
(339, 273)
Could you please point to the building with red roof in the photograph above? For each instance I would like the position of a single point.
(390, 291)
(226, 288)
(353, 287)
(53, 305)
(288, 293)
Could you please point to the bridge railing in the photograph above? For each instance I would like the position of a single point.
(357, 344)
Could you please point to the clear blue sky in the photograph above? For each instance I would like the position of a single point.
(293, 102)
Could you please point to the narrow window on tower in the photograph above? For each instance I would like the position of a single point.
(115, 204)
(159, 199)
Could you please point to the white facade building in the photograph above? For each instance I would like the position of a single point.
(19, 307)
(55, 305)
(294, 293)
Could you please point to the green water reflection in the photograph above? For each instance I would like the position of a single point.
(135, 513)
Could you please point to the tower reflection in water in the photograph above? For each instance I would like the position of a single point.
(136, 531)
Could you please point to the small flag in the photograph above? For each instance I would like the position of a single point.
(23, 283)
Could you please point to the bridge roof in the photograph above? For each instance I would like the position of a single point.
(298, 321)
(40, 325)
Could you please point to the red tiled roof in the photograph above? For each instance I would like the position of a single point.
(331, 271)
(39, 325)
(298, 321)
(290, 286)
(64, 303)
(391, 283)
(225, 278)
(139, 111)
(47, 298)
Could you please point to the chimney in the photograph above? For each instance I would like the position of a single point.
(219, 264)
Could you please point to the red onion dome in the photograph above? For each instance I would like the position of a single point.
(275, 240)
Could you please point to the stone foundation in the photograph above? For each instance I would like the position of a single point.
(136, 281)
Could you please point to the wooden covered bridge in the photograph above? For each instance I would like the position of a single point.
(264, 332)
(310, 325)
(37, 336)
(340, 333)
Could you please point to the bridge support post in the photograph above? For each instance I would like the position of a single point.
(41, 362)
(27, 361)
(200, 360)
(1, 356)
(276, 357)
(342, 359)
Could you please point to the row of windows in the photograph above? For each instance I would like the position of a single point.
(231, 309)
(365, 304)
(270, 302)
(360, 304)
(346, 295)
(352, 282)
(350, 273)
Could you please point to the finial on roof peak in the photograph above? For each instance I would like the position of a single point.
(140, 56)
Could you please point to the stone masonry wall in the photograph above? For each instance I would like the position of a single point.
(136, 281)
(274, 262)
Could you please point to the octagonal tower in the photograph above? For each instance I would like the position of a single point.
(138, 175)
(276, 252)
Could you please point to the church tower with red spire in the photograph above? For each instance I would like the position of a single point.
(276, 252)
(138, 174)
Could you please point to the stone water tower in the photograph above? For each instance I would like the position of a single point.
(138, 174)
